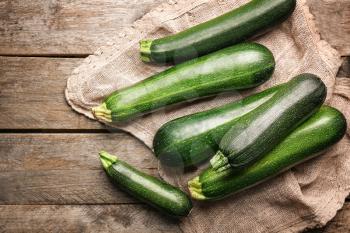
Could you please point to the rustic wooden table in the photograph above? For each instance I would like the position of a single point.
(50, 176)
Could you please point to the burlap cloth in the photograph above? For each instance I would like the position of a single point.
(304, 197)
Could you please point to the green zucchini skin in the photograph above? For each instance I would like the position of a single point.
(238, 67)
(325, 128)
(192, 139)
(223, 31)
(259, 131)
(159, 194)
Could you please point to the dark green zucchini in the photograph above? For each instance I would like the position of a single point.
(260, 130)
(223, 31)
(325, 128)
(159, 194)
(192, 139)
(238, 67)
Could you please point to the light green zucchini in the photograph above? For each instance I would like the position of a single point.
(238, 67)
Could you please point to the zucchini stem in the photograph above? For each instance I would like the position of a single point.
(220, 162)
(107, 159)
(195, 188)
(102, 113)
(145, 50)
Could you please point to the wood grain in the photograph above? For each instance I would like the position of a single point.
(32, 94)
(111, 218)
(88, 218)
(65, 168)
(333, 21)
(61, 27)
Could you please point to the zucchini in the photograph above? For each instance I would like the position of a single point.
(238, 67)
(323, 129)
(159, 194)
(192, 139)
(260, 130)
(228, 29)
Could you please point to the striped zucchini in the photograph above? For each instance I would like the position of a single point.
(319, 132)
(223, 31)
(238, 67)
(260, 130)
(159, 194)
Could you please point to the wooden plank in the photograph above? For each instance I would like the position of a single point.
(86, 218)
(111, 218)
(65, 26)
(333, 21)
(32, 94)
(65, 168)
(80, 27)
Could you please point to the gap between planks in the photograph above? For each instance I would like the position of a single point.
(59, 131)
(47, 55)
